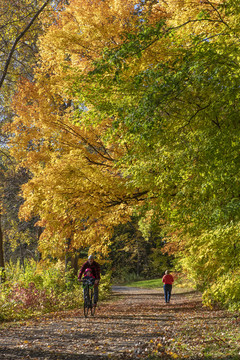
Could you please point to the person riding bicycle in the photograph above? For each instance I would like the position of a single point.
(95, 268)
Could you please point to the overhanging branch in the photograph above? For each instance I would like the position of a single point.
(20, 36)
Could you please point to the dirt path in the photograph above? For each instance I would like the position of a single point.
(130, 327)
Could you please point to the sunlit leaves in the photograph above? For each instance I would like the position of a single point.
(135, 104)
(181, 115)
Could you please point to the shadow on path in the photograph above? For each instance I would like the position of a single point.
(137, 291)
(16, 353)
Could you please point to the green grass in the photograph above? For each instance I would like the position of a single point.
(178, 287)
(147, 284)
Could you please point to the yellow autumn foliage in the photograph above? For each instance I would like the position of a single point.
(78, 188)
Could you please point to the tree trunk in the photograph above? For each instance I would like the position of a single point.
(138, 259)
(67, 254)
(2, 264)
(74, 262)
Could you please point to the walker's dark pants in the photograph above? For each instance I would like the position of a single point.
(167, 292)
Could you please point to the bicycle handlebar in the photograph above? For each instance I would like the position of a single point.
(88, 282)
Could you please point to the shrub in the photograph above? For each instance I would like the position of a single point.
(226, 291)
(41, 288)
(105, 286)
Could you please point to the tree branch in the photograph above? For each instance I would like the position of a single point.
(20, 36)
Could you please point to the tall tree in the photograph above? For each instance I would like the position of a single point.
(21, 23)
(74, 168)
(183, 121)
(137, 102)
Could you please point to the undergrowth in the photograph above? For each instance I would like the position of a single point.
(41, 288)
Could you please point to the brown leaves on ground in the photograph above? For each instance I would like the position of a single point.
(139, 325)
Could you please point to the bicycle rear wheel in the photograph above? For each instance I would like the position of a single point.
(93, 309)
(86, 308)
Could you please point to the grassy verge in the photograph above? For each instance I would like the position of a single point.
(147, 284)
(178, 287)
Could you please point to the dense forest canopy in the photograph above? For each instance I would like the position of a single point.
(133, 110)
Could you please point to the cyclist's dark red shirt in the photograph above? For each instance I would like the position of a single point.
(95, 267)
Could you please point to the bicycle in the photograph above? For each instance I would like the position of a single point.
(88, 293)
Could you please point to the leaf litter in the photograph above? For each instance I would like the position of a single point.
(136, 325)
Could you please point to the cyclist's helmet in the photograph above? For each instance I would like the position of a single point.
(88, 269)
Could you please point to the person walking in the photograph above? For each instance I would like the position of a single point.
(95, 268)
(168, 281)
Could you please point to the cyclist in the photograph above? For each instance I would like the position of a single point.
(95, 268)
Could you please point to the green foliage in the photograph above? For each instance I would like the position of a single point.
(133, 255)
(212, 256)
(182, 115)
(105, 286)
(225, 291)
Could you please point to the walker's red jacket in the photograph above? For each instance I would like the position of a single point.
(95, 267)
(168, 279)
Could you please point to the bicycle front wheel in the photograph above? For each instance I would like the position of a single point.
(86, 301)
(93, 307)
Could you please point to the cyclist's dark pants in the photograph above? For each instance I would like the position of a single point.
(167, 292)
